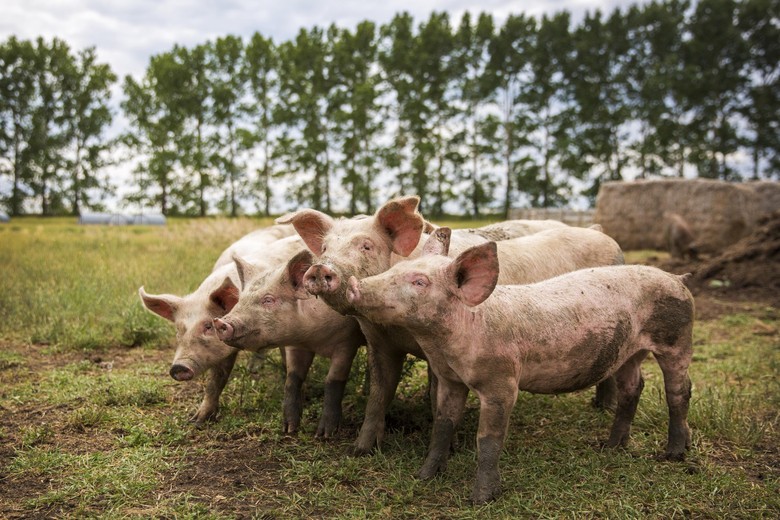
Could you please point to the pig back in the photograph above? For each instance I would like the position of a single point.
(576, 329)
(554, 252)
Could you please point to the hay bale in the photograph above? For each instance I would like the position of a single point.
(719, 213)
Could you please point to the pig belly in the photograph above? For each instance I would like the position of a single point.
(567, 373)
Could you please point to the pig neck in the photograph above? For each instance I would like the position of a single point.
(498, 325)
(320, 322)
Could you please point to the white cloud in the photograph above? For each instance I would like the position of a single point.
(126, 33)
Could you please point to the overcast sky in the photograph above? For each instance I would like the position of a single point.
(127, 32)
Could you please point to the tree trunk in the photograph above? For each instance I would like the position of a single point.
(16, 203)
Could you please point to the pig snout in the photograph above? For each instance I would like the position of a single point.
(225, 331)
(320, 279)
(181, 372)
(353, 290)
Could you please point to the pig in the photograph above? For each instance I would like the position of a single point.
(554, 251)
(515, 228)
(555, 336)
(679, 238)
(198, 348)
(274, 308)
(254, 241)
(366, 247)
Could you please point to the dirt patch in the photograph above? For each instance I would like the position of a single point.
(224, 469)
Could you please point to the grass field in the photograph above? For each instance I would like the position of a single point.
(91, 425)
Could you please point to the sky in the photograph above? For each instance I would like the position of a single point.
(127, 33)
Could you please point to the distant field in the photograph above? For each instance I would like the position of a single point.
(91, 425)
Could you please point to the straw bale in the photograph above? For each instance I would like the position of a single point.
(719, 213)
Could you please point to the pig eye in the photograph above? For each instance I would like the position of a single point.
(366, 246)
(420, 282)
(268, 300)
(324, 248)
(208, 326)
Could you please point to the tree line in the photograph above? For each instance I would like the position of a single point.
(467, 113)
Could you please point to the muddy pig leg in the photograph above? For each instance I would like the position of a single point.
(336, 380)
(218, 378)
(606, 395)
(677, 385)
(298, 364)
(495, 409)
(629, 384)
(450, 405)
(385, 371)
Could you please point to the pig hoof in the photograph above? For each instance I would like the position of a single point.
(324, 434)
(673, 456)
(357, 451)
(603, 405)
(427, 473)
(482, 495)
(431, 467)
(200, 419)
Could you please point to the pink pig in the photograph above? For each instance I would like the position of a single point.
(370, 245)
(273, 309)
(555, 336)
(198, 349)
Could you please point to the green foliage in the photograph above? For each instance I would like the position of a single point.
(53, 114)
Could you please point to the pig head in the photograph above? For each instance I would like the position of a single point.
(355, 247)
(274, 309)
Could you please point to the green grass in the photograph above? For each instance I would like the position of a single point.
(92, 426)
(76, 286)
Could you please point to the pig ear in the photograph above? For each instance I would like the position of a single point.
(399, 220)
(474, 273)
(438, 243)
(246, 270)
(226, 296)
(165, 305)
(296, 268)
(311, 225)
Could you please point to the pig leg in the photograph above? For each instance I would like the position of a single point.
(218, 378)
(495, 407)
(298, 364)
(451, 402)
(385, 371)
(606, 395)
(335, 382)
(629, 383)
(677, 385)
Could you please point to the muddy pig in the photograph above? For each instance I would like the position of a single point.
(679, 238)
(515, 228)
(555, 336)
(363, 248)
(198, 349)
(273, 309)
